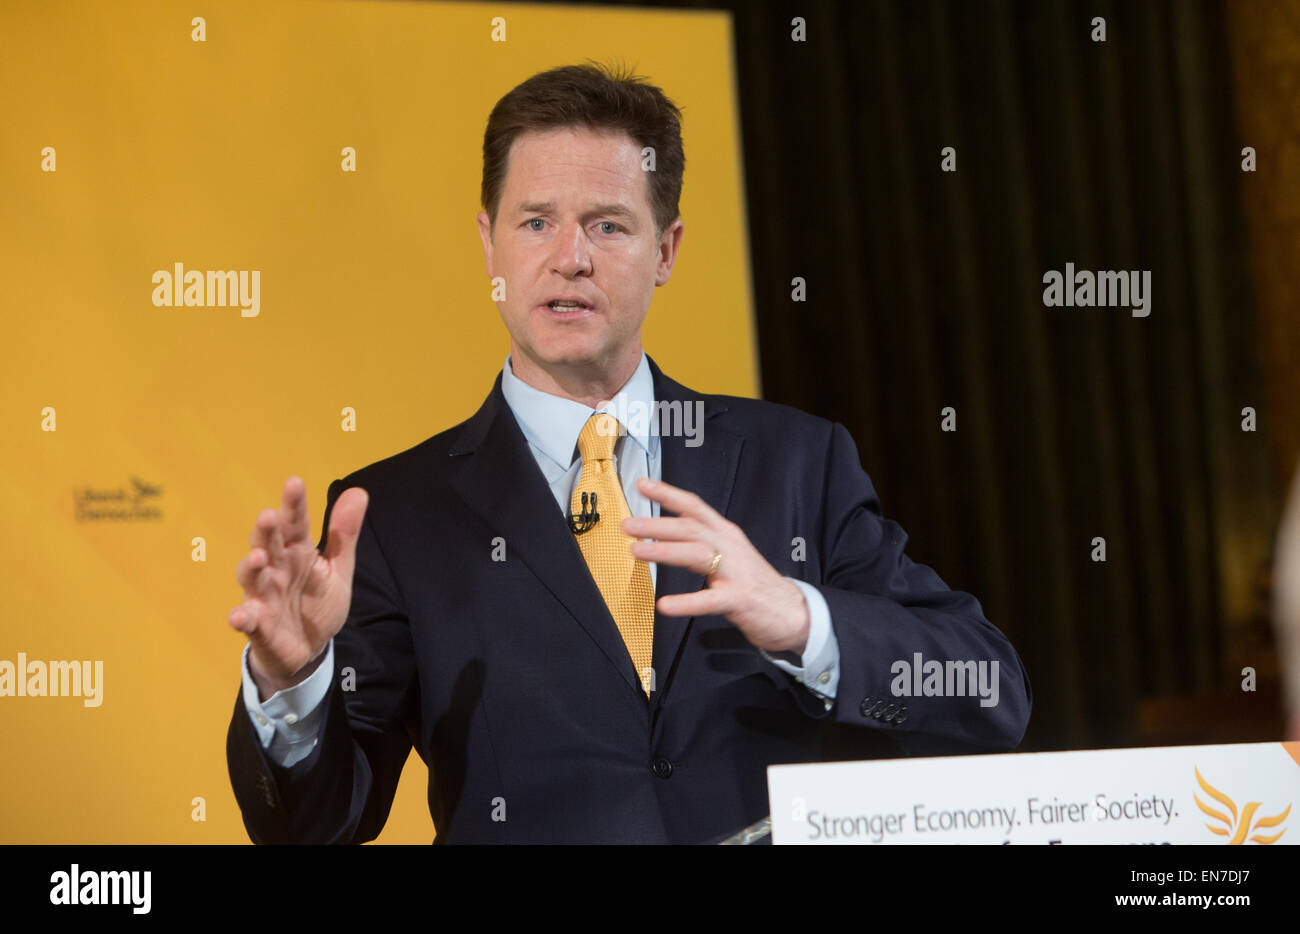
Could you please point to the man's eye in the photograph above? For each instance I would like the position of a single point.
(536, 220)
(613, 228)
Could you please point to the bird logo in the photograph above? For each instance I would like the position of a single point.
(143, 489)
(1238, 827)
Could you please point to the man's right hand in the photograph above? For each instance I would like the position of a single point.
(295, 598)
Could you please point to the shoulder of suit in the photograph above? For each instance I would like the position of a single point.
(423, 460)
(759, 416)
(746, 415)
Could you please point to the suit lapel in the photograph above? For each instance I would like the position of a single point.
(500, 480)
(708, 470)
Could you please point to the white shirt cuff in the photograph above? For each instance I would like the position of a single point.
(288, 721)
(819, 670)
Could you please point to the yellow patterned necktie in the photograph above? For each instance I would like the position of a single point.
(623, 581)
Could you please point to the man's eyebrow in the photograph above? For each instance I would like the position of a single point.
(618, 210)
(545, 207)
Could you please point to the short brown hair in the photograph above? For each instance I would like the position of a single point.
(599, 98)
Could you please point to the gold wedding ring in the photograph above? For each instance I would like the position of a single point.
(713, 565)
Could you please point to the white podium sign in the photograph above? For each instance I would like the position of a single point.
(1239, 793)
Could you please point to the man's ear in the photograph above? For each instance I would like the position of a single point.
(669, 241)
(485, 234)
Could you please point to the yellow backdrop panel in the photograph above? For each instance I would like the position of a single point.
(134, 431)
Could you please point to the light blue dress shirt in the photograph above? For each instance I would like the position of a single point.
(289, 721)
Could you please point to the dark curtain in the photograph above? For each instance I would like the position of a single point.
(925, 290)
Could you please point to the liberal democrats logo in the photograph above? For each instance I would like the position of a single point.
(141, 500)
(1238, 826)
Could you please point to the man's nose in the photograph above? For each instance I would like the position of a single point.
(572, 253)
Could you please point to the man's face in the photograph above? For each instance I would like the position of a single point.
(574, 222)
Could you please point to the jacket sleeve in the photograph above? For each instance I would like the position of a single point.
(886, 609)
(341, 792)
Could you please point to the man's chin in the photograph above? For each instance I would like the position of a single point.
(571, 362)
(589, 351)
(570, 354)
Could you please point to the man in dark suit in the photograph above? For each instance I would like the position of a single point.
(489, 596)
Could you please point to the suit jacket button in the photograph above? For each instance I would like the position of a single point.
(901, 715)
(865, 706)
(662, 767)
(888, 712)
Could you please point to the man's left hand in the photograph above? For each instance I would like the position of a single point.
(769, 610)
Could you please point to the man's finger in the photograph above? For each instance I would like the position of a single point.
(675, 499)
(260, 537)
(665, 528)
(275, 546)
(248, 569)
(244, 618)
(262, 585)
(694, 556)
(345, 528)
(713, 601)
(295, 522)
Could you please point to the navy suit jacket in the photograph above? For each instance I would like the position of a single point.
(512, 682)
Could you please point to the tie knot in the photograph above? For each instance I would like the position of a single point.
(597, 438)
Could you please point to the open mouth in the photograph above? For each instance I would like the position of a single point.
(565, 309)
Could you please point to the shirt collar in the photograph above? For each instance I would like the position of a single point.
(552, 423)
